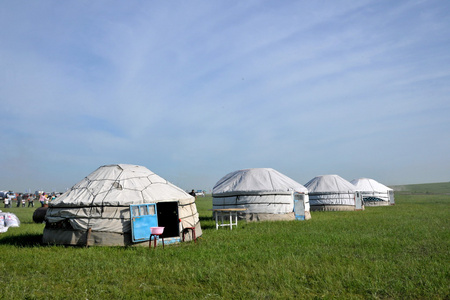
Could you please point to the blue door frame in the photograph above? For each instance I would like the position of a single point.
(143, 216)
(299, 206)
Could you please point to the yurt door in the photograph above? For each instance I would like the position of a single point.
(299, 206)
(358, 201)
(168, 218)
(143, 216)
(391, 198)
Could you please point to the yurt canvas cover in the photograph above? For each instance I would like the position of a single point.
(373, 192)
(96, 211)
(264, 192)
(331, 192)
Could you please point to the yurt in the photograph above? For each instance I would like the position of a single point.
(373, 192)
(116, 205)
(265, 193)
(332, 193)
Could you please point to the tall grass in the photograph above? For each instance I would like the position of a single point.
(400, 251)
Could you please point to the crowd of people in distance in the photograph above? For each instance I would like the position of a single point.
(26, 199)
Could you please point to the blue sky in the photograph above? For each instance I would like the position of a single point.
(194, 90)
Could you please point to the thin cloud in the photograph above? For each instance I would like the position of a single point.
(195, 90)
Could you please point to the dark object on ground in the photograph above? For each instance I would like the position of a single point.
(39, 214)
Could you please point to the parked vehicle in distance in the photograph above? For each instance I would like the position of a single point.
(11, 195)
(200, 193)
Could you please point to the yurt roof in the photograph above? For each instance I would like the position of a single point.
(328, 184)
(120, 185)
(369, 185)
(257, 180)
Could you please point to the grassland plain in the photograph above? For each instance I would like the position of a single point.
(425, 188)
(396, 252)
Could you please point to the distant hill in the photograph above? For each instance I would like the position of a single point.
(424, 188)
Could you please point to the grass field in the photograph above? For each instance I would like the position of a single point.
(396, 252)
(425, 188)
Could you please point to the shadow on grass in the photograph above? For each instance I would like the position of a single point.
(207, 222)
(208, 226)
(24, 240)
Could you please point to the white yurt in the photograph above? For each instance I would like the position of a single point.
(116, 205)
(265, 193)
(373, 192)
(332, 193)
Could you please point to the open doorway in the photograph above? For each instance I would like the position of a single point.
(168, 218)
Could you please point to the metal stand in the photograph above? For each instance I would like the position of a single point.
(154, 240)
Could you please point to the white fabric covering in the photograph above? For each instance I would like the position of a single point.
(258, 181)
(11, 220)
(373, 191)
(330, 190)
(8, 220)
(120, 185)
(101, 200)
(259, 190)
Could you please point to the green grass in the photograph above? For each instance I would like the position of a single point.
(396, 252)
(425, 188)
